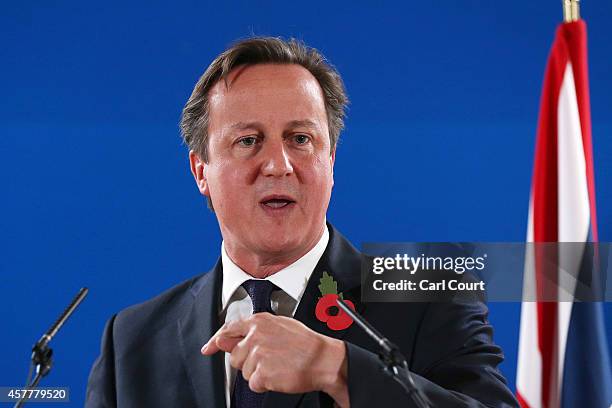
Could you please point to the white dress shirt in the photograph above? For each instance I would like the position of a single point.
(236, 303)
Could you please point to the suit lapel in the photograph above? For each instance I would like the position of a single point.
(343, 262)
(199, 323)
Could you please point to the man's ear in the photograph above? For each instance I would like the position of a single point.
(198, 169)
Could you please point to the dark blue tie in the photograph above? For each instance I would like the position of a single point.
(259, 291)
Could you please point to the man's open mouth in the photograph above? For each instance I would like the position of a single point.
(277, 202)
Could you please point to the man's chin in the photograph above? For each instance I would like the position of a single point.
(278, 245)
(283, 240)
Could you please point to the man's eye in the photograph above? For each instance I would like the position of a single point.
(248, 141)
(302, 139)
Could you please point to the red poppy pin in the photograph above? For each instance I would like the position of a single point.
(327, 309)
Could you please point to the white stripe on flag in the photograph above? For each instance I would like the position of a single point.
(573, 203)
(529, 367)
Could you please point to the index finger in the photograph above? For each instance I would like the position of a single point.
(226, 337)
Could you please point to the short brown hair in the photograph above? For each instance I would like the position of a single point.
(262, 50)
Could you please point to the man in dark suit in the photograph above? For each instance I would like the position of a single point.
(262, 126)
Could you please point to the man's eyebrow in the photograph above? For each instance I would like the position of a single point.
(246, 125)
(307, 123)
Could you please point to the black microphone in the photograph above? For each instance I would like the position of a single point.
(41, 353)
(393, 361)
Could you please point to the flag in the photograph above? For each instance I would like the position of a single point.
(563, 356)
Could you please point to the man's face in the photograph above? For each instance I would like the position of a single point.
(270, 169)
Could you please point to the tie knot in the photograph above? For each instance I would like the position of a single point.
(259, 291)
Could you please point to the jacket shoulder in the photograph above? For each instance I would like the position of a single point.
(141, 321)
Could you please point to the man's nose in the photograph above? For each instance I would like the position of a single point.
(276, 159)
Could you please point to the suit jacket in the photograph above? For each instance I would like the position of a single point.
(150, 354)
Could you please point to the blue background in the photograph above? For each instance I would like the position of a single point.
(96, 186)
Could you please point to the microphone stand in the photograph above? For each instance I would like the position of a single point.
(42, 353)
(393, 362)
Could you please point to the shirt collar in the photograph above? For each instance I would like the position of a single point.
(292, 279)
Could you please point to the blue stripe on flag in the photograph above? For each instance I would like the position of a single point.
(587, 381)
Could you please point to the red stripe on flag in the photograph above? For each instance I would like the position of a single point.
(545, 216)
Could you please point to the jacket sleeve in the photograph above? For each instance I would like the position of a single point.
(101, 390)
(454, 362)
